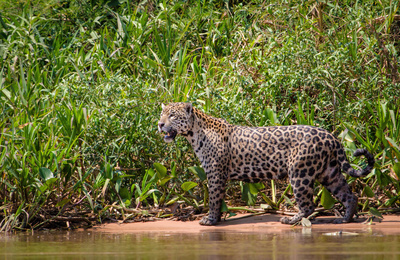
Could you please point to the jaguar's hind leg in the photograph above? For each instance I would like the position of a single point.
(336, 184)
(303, 191)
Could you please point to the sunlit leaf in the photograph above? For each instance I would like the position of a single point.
(186, 186)
(375, 212)
(327, 201)
(224, 207)
(247, 196)
(51, 181)
(43, 188)
(127, 202)
(161, 170)
(253, 188)
(172, 201)
(164, 180)
(173, 169)
(199, 172)
(271, 115)
(148, 193)
(45, 173)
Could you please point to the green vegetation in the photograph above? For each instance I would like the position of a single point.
(82, 82)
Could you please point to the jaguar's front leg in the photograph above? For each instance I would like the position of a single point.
(216, 190)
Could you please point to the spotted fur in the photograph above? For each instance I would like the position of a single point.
(304, 153)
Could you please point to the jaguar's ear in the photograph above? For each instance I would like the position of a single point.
(189, 108)
(162, 106)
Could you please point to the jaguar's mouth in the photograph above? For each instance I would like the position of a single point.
(170, 135)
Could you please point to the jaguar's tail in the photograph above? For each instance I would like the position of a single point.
(363, 172)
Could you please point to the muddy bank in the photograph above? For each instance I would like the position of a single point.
(268, 223)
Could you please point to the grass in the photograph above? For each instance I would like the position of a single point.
(81, 86)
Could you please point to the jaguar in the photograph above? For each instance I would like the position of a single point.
(302, 153)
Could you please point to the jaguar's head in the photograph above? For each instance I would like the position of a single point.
(176, 118)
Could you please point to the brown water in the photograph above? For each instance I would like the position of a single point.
(293, 244)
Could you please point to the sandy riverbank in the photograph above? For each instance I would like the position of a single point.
(268, 223)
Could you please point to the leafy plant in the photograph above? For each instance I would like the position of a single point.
(145, 190)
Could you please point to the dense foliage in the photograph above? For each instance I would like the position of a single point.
(82, 82)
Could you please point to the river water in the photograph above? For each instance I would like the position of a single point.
(292, 244)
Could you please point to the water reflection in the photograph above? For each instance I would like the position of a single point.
(293, 244)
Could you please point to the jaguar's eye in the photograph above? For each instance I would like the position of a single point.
(172, 117)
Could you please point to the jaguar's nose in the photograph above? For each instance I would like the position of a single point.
(160, 126)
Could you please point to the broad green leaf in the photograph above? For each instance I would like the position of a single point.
(127, 202)
(173, 169)
(382, 177)
(160, 169)
(224, 207)
(186, 186)
(124, 193)
(368, 192)
(45, 173)
(375, 212)
(108, 171)
(327, 201)
(164, 180)
(6, 93)
(253, 188)
(247, 196)
(43, 188)
(199, 172)
(149, 172)
(232, 214)
(271, 116)
(51, 181)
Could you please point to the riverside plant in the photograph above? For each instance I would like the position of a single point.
(82, 82)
